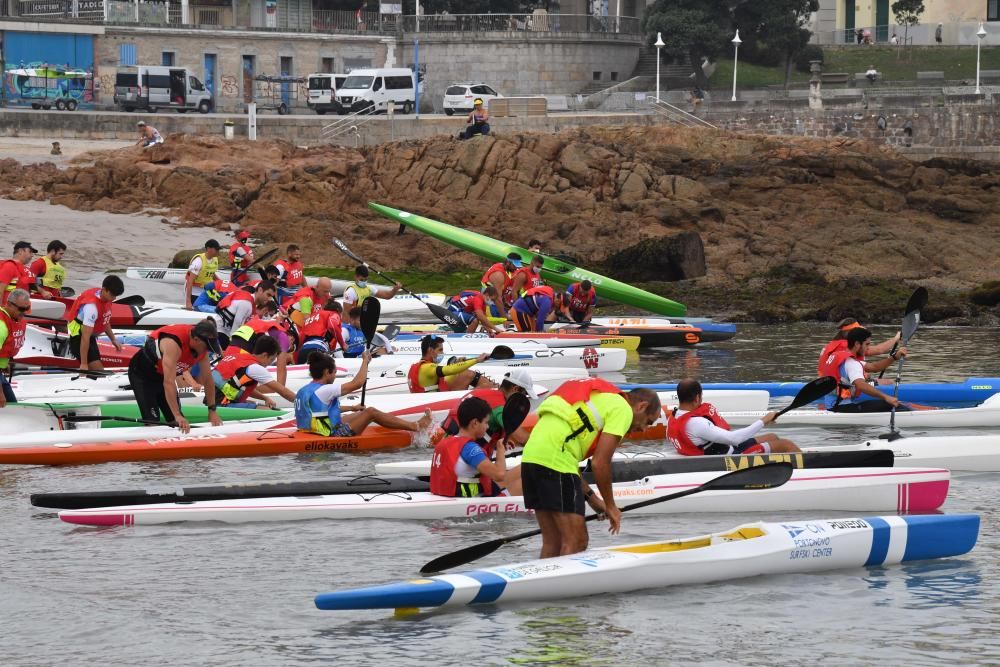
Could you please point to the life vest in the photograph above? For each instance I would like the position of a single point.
(355, 340)
(528, 299)
(54, 275)
(235, 295)
(208, 269)
(580, 301)
(832, 367)
(319, 325)
(311, 414)
(253, 328)
(291, 273)
(561, 402)
(468, 301)
(22, 280)
(506, 294)
(413, 379)
(531, 279)
(677, 428)
(91, 296)
(236, 384)
(361, 292)
(235, 257)
(181, 333)
(304, 293)
(15, 335)
(444, 480)
(831, 347)
(216, 289)
(494, 398)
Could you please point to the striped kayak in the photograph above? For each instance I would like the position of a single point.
(979, 453)
(853, 489)
(47, 309)
(550, 338)
(44, 347)
(703, 323)
(27, 417)
(675, 335)
(399, 304)
(553, 270)
(508, 338)
(942, 394)
(169, 276)
(750, 550)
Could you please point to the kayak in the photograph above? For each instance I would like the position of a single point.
(979, 453)
(985, 414)
(397, 305)
(44, 347)
(635, 465)
(705, 324)
(46, 309)
(27, 417)
(234, 491)
(750, 550)
(941, 394)
(878, 489)
(553, 270)
(506, 338)
(674, 335)
(550, 338)
(170, 276)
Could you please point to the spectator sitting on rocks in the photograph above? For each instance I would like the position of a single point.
(871, 74)
(148, 135)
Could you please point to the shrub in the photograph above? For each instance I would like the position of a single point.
(810, 52)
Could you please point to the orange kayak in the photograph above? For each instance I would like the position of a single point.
(271, 442)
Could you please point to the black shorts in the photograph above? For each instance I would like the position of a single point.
(874, 405)
(93, 354)
(718, 448)
(548, 490)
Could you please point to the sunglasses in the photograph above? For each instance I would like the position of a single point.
(23, 309)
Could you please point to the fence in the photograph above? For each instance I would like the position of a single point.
(923, 34)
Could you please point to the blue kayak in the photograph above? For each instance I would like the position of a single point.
(940, 394)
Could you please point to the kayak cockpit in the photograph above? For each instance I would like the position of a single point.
(741, 533)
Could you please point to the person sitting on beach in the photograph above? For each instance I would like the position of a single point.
(148, 135)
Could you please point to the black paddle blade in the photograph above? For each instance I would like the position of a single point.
(767, 476)
(515, 410)
(132, 300)
(347, 251)
(812, 391)
(502, 352)
(910, 323)
(448, 317)
(391, 331)
(469, 554)
(918, 301)
(891, 436)
(371, 309)
(260, 260)
(67, 291)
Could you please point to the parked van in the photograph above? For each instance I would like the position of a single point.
(373, 88)
(152, 88)
(323, 89)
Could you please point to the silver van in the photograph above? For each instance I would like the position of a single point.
(152, 88)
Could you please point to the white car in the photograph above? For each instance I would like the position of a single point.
(460, 96)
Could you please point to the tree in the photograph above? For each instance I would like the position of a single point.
(776, 26)
(907, 13)
(694, 28)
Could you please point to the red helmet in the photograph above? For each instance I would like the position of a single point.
(243, 235)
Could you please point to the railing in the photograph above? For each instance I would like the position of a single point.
(678, 115)
(349, 123)
(535, 22)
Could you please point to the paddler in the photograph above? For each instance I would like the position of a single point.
(290, 272)
(358, 291)
(200, 272)
(239, 306)
(352, 335)
(14, 272)
(499, 275)
(318, 410)
(427, 375)
(845, 366)
(212, 294)
(301, 305)
(840, 342)
(92, 311)
(168, 352)
(246, 336)
(241, 375)
(461, 467)
(578, 301)
(527, 277)
(711, 434)
(240, 255)
(530, 312)
(534, 245)
(12, 328)
(322, 328)
(49, 273)
(581, 419)
(471, 306)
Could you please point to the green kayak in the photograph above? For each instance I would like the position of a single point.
(553, 270)
(126, 412)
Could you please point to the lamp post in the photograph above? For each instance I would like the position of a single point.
(659, 45)
(980, 34)
(736, 59)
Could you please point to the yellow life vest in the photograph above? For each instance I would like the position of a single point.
(362, 292)
(55, 274)
(208, 269)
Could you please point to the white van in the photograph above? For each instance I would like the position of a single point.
(323, 89)
(372, 89)
(152, 88)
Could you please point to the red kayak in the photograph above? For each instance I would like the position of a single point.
(125, 314)
(43, 347)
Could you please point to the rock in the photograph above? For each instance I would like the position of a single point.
(677, 257)
(987, 294)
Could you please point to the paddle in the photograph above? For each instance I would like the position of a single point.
(68, 371)
(391, 331)
(102, 418)
(916, 303)
(811, 391)
(371, 308)
(257, 260)
(442, 314)
(910, 323)
(515, 410)
(766, 476)
(132, 300)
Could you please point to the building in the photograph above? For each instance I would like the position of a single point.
(837, 21)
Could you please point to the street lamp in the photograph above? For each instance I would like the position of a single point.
(736, 58)
(980, 34)
(659, 45)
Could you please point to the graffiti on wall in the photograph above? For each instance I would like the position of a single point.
(48, 69)
(229, 86)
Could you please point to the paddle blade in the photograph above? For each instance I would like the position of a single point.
(262, 259)
(918, 301)
(347, 251)
(502, 352)
(462, 556)
(448, 317)
(812, 391)
(910, 324)
(767, 476)
(132, 300)
(515, 410)
(402, 228)
(67, 291)
(391, 331)
(371, 310)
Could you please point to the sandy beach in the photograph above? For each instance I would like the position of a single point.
(28, 150)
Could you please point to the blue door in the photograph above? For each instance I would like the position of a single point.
(209, 77)
(286, 70)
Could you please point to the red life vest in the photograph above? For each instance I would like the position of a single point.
(15, 335)
(237, 260)
(323, 324)
(444, 481)
(531, 279)
(677, 428)
(233, 369)
(506, 294)
(831, 367)
(181, 333)
(575, 391)
(493, 397)
(830, 348)
(469, 301)
(413, 379)
(237, 295)
(543, 290)
(291, 273)
(580, 301)
(21, 280)
(305, 292)
(103, 308)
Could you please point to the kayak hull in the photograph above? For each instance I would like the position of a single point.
(750, 550)
(977, 453)
(43, 347)
(652, 336)
(27, 417)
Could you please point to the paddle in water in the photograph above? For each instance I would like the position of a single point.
(767, 476)
(371, 309)
(443, 314)
(911, 320)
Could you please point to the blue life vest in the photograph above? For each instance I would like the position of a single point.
(355, 340)
(209, 296)
(309, 411)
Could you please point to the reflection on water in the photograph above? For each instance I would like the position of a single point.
(554, 637)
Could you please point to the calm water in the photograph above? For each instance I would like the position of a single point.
(242, 595)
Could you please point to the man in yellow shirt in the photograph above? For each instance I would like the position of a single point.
(581, 419)
(201, 271)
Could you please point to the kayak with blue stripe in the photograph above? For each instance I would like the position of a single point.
(746, 551)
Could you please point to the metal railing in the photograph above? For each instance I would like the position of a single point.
(351, 123)
(678, 115)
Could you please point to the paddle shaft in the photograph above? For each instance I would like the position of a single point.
(910, 323)
(810, 392)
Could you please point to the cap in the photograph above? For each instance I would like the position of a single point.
(514, 259)
(207, 331)
(23, 244)
(478, 101)
(242, 235)
(212, 243)
(141, 123)
(521, 378)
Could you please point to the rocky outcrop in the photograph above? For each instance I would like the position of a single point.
(677, 257)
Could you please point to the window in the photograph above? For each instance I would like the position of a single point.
(326, 65)
(320, 83)
(378, 84)
(398, 82)
(126, 80)
(157, 80)
(126, 54)
(993, 10)
(614, 76)
(597, 76)
(167, 58)
(455, 90)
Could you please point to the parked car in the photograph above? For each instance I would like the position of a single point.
(460, 96)
(160, 87)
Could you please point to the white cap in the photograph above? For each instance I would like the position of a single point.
(521, 378)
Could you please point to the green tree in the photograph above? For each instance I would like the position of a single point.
(692, 28)
(907, 13)
(776, 27)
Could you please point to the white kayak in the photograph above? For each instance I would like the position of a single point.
(985, 414)
(527, 339)
(847, 489)
(750, 550)
(593, 359)
(979, 453)
(168, 276)
(48, 309)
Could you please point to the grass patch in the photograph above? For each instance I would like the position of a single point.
(448, 283)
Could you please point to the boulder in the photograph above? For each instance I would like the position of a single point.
(677, 257)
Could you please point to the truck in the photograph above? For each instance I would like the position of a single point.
(149, 88)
